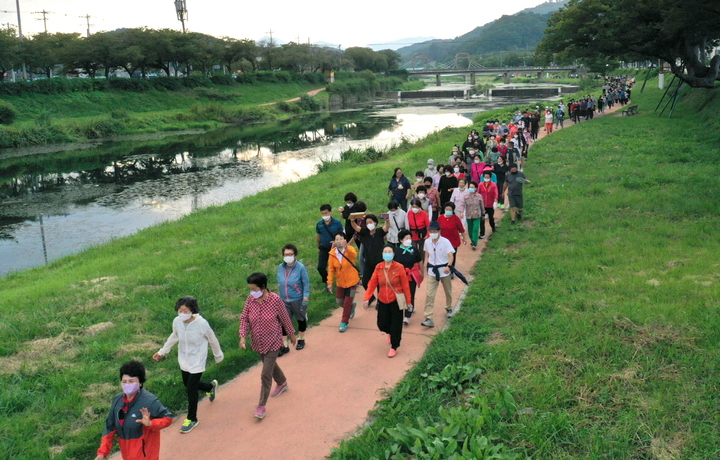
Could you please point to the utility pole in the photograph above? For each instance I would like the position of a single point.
(44, 18)
(24, 70)
(87, 18)
(270, 49)
(182, 13)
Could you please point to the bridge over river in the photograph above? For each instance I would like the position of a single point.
(506, 72)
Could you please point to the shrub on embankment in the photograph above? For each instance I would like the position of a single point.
(55, 118)
(593, 323)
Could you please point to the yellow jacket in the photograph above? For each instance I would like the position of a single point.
(345, 274)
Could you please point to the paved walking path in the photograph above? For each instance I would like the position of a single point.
(333, 383)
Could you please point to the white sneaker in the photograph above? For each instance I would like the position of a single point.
(449, 313)
(406, 321)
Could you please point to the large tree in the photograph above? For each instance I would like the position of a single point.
(680, 32)
(9, 51)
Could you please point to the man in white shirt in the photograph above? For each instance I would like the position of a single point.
(438, 252)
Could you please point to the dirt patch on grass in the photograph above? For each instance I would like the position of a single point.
(50, 352)
(99, 302)
(95, 329)
(650, 334)
(653, 282)
(56, 450)
(662, 449)
(138, 349)
(496, 338)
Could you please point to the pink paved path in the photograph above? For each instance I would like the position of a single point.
(333, 383)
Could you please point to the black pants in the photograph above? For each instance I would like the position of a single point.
(323, 256)
(491, 218)
(390, 321)
(193, 385)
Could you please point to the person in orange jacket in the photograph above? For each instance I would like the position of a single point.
(136, 417)
(390, 279)
(342, 267)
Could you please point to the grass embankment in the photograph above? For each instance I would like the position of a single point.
(68, 327)
(73, 117)
(591, 329)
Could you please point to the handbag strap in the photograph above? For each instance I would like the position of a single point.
(349, 261)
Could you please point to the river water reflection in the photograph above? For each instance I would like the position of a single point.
(59, 204)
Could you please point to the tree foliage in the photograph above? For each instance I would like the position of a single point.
(679, 32)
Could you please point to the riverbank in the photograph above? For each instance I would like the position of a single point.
(86, 116)
(591, 330)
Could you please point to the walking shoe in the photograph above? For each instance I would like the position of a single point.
(260, 412)
(512, 222)
(406, 321)
(352, 311)
(188, 425)
(474, 246)
(392, 353)
(343, 327)
(279, 389)
(428, 323)
(482, 237)
(283, 351)
(212, 393)
(449, 312)
(300, 344)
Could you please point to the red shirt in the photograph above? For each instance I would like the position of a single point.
(418, 222)
(451, 228)
(265, 320)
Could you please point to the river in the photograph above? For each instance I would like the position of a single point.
(61, 203)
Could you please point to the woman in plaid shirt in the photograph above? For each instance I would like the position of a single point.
(265, 316)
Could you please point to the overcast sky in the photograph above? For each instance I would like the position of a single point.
(343, 23)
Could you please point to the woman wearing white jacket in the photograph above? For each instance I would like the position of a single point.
(193, 334)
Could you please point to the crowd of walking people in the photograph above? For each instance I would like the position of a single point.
(390, 254)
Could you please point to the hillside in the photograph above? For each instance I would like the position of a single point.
(519, 32)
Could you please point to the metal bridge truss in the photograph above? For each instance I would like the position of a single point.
(462, 61)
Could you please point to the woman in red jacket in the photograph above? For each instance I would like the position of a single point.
(390, 278)
(451, 227)
(418, 221)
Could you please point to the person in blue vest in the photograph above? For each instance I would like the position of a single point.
(294, 290)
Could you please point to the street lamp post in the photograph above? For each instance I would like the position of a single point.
(181, 9)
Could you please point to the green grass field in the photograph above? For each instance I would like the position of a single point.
(591, 330)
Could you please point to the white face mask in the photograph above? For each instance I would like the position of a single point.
(434, 235)
(448, 173)
(477, 160)
(407, 242)
(185, 316)
(418, 179)
(326, 218)
(457, 170)
(421, 195)
(371, 227)
(486, 179)
(289, 259)
(349, 205)
(416, 210)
